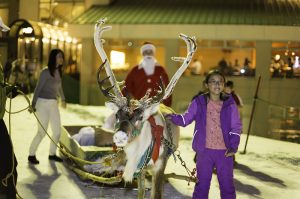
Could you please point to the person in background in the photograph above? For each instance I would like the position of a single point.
(146, 75)
(8, 161)
(141, 78)
(223, 66)
(236, 68)
(216, 135)
(247, 62)
(196, 67)
(45, 104)
(229, 89)
(247, 68)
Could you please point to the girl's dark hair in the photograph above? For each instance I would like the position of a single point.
(212, 73)
(52, 61)
(223, 96)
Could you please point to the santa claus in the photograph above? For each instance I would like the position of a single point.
(146, 75)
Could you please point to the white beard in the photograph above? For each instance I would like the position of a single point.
(148, 64)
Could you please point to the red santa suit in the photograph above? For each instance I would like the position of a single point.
(138, 82)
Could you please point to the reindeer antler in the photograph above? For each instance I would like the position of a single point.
(165, 93)
(191, 48)
(98, 41)
(105, 91)
(145, 101)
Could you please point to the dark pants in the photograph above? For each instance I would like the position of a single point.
(206, 162)
(8, 162)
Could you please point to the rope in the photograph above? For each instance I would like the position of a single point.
(49, 136)
(191, 174)
(4, 181)
(272, 103)
(10, 112)
(11, 174)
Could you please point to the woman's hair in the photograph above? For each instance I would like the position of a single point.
(52, 61)
(223, 96)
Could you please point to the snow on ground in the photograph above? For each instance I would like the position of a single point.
(269, 169)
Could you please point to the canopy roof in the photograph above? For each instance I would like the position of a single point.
(235, 12)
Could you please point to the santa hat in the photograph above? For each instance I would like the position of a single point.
(3, 27)
(147, 46)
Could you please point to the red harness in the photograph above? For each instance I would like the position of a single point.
(157, 132)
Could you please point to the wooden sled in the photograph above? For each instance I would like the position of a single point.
(77, 156)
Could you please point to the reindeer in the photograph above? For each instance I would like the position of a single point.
(149, 135)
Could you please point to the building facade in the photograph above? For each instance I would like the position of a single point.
(234, 30)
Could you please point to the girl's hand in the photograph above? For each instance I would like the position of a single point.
(229, 152)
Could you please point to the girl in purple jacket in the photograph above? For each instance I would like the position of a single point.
(216, 136)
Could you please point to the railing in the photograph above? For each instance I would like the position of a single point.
(284, 122)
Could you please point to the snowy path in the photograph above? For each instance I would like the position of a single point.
(270, 169)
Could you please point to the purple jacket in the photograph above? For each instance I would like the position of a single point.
(230, 122)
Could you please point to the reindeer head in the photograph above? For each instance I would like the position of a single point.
(130, 113)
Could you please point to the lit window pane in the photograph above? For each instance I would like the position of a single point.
(117, 59)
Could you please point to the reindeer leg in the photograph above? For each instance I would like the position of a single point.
(141, 185)
(158, 179)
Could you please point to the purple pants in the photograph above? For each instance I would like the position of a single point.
(206, 162)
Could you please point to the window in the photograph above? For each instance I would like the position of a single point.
(285, 59)
(232, 57)
(117, 59)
